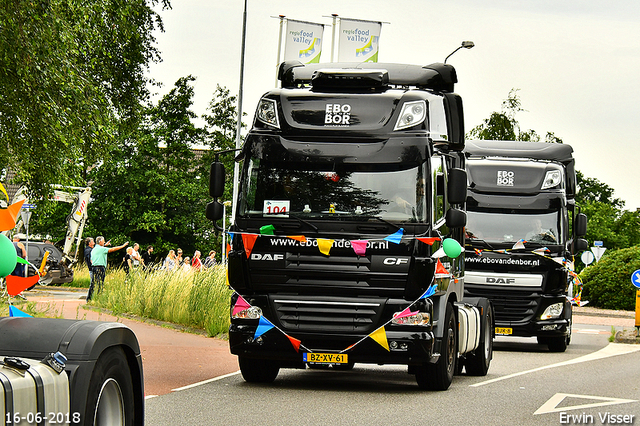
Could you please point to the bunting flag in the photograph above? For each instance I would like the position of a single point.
(264, 325)
(359, 246)
(430, 291)
(4, 191)
(478, 251)
(240, 305)
(249, 240)
(519, 245)
(268, 230)
(380, 337)
(440, 269)
(15, 312)
(396, 237)
(325, 245)
(300, 238)
(406, 313)
(428, 240)
(439, 253)
(9, 216)
(16, 285)
(295, 342)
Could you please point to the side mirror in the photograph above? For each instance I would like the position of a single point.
(214, 212)
(457, 189)
(580, 225)
(216, 181)
(456, 218)
(579, 245)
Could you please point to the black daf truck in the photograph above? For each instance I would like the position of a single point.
(351, 192)
(523, 229)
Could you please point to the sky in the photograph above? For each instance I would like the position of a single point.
(576, 63)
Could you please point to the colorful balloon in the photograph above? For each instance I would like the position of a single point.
(452, 248)
(8, 256)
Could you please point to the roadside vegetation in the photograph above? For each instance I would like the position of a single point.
(198, 299)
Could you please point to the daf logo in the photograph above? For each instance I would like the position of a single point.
(395, 261)
(267, 256)
(490, 280)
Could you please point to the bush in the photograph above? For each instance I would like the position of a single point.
(607, 284)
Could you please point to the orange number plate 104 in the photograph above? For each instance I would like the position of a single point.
(320, 358)
(503, 331)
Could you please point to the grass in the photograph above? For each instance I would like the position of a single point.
(197, 299)
(42, 310)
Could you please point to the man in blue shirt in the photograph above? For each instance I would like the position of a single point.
(99, 262)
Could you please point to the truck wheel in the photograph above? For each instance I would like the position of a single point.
(110, 400)
(258, 370)
(557, 344)
(439, 376)
(477, 362)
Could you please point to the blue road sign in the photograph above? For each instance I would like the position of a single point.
(635, 278)
(28, 206)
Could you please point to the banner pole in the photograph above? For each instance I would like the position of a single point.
(282, 19)
(236, 166)
(333, 34)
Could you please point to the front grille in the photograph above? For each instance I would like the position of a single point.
(511, 306)
(334, 315)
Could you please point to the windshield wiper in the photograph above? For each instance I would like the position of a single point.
(482, 242)
(315, 228)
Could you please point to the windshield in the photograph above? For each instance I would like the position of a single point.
(542, 228)
(318, 190)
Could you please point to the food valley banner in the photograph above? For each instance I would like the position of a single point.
(303, 41)
(358, 40)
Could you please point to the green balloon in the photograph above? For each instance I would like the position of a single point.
(8, 256)
(451, 247)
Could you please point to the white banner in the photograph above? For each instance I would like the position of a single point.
(358, 40)
(303, 41)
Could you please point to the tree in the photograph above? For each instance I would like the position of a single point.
(72, 83)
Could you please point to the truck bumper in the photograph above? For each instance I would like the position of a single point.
(405, 347)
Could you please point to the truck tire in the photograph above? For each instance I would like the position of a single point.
(439, 376)
(477, 363)
(111, 398)
(258, 370)
(557, 344)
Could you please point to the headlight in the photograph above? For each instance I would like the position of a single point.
(553, 311)
(268, 112)
(552, 179)
(420, 318)
(412, 113)
(250, 313)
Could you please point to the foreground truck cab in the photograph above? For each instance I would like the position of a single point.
(522, 232)
(350, 206)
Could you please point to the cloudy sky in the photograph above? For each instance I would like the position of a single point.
(576, 63)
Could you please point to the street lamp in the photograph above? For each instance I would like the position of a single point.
(465, 44)
(224, 234)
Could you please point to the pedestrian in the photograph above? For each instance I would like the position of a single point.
(210, 261)
(136, 260)
(186, 265)
(89, 243)
(170, 261)
(147, 260)
(196, 263)
(127, 260)
(21, 251)
(99, 262)
(179, 259)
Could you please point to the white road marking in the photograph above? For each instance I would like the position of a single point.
(610, 350)
(204, 382)
(551, 405)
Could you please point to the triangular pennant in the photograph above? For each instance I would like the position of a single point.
(16, 285)
(295, 342)
(439, 253)
(267, 230)
(231, 234)
(249, 240)
(380, 336)
(263, 326)
(478, 251)
(325, 245)
(9, 216)
(4, 191)
(518, 245)
(240, 305)
(23, 261)
(430, 291)
(396, 237)
(15, 312)
(428, 240)
(406, 313)
(228, 250)
(300, 238)
(440, 269)
(359, 246)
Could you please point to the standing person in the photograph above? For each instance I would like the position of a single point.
(179, 260)
(147, 260)
(127, 261)
(21, 251)
(170, 261)
(135, 256)
(99, 262)
(89, 243)
(186, 265)
(210, 261)
(196, 263)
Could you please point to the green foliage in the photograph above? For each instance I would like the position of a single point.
(72, 79)
(607, 284)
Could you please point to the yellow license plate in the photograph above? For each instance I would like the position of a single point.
(321, 358)
(504, 330)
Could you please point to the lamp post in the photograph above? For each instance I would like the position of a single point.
(465, 44)
(224, 234)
